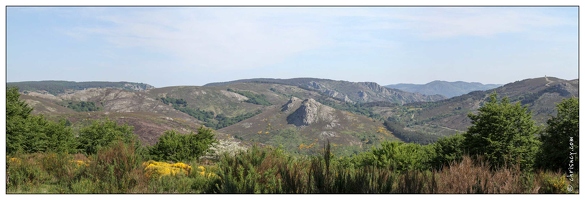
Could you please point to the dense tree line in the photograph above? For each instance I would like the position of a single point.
(401, 132)
(174, 102)
(222, 121)
(81, 106)
(258, 99)
(211, 120)
(215, 121)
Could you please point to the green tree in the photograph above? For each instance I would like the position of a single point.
(28, 133)
(101, 133)
(173, 146)
(503, 133)
(399, 156)
(447, 150)
(17, 113)
(562, 130)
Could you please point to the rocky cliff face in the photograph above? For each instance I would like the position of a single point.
(311, 112)
(289, 106)
(137, 86)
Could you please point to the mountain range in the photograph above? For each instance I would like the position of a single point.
(297, 114)
(447, 89)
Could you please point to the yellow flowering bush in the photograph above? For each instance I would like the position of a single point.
(14, 160)
(80, 163)
(554, 184)
(159, 169)
(205, 174)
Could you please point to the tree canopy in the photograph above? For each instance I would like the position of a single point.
(173, 146)
(560, 141)
(26, 133)
(503, 133)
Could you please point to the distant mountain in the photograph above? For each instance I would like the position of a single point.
(449, 116)
(346, 91)
(448, 89)
(57, 87)
(299, 114)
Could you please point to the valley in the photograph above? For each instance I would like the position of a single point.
(299, 114)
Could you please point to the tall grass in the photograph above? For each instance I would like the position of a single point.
(118, 169)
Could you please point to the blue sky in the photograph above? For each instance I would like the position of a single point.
(167, 46)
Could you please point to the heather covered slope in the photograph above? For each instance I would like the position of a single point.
(302, 126)
(297, 113)
(449, 116)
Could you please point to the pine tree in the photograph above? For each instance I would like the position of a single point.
(27, 133)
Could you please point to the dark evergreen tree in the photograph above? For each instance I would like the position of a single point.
(28, 133)
(562, 131)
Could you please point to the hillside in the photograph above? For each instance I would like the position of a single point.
(302, 126)
(149, 117)
(297, 113)
(447, 89)
(58, 87)
(449, 116)
(345, 91)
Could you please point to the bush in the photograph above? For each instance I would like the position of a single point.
(101, 133)
(173, 146)
(553, 183)
(117, 169)
(155, 169)
(448, 150)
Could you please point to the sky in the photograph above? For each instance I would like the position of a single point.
(170, 46)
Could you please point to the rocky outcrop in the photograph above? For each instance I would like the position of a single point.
(234, 95)
(292, 102)
(137, 86)
(375, 87)
(315, 85)
(311, 112)
(363, 95)
(331, 93)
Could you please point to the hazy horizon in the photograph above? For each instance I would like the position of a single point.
(170, 46)
(286, 78)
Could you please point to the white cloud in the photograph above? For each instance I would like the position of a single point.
(225, 39)
(472, 21)
(243, 38)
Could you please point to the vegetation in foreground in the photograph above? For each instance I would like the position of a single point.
(47, 157)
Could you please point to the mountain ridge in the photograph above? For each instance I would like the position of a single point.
(445, 88)
(298, 115)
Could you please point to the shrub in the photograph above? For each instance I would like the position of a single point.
(101, 133)
(155, 169)
(117, 169)
(173, 146)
